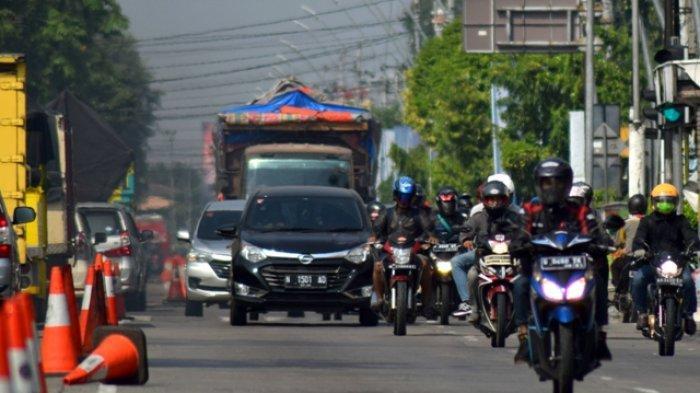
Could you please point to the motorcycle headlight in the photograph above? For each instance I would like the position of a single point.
(576, 289)
(402, 256)
(444, 266)
(198, 256)
(252, 253)
(552, 291)
(357, 255)
(669, 269)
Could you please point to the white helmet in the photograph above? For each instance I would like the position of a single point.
(505, 179)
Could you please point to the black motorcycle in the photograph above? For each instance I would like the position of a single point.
(445, 291)
(623, 295)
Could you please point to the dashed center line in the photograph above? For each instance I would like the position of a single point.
(643, 390)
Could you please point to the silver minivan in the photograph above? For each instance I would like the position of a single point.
(124, 244)
(209, 258)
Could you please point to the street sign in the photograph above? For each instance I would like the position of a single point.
(490, 26)
(607, 146)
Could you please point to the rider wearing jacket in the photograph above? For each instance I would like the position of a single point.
(448, 221)
(663, 230)
(637, 208)
(408, 219)
(554, 179)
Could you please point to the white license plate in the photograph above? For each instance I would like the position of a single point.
(571, 262)
(403, 267)
(450, 247)
(673, 282)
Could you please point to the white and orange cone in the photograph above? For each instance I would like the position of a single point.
(121, 305)
(27, 304)
(92, 313)
(110, 299)
(21, 375)
(72, 305)
(4, 365)
(58, 352)
(115, 358)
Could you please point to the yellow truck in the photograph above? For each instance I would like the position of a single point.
(35, 172)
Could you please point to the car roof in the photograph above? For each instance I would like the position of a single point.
(232, 204)
(307, 191)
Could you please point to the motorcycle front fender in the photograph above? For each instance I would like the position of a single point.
(563, 314)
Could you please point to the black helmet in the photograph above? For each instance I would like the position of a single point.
(553, 178)
(446, 201)
(420, 196)
(582, 193)
(495, 196)
(375, 210)
(637, 204)
(613, 223)
(464, 202)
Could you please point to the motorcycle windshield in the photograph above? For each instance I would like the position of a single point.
(560, 240)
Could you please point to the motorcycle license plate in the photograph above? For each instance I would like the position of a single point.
(450, 247)
(403, 267)
(574, 262)
(673, 282)
(305, 281)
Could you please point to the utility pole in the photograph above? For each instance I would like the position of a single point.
(590, 86)
(636, 136)
(170, 134)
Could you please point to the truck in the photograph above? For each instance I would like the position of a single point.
(292, 136)
(35, 171)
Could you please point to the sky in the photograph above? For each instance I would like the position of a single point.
(207, 54)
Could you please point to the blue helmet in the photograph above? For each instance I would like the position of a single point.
(404, 190)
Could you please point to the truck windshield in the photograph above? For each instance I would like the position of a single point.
(215, 219)
(305, 214)
(307, 171)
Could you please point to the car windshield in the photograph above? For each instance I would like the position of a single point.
(106, 221)
(215, 219)
(307, 171)
(305, 214)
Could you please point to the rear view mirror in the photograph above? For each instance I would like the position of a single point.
(100, 237)
(183, 235)
(23, 215)
(229, 231)
(146, 235)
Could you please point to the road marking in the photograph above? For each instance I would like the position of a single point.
(101, 388)
(605, 378)
(143, 318)
(642, 390)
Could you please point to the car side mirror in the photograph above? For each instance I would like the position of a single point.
(183, 235)
(99, 238)
(228, 231)
(146, 235)
(23, 215)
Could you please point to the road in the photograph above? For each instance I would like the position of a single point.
(307, 355)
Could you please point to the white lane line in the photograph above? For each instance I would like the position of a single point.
(106, 388)
(605, 378)
(143, 318)
(643, 390)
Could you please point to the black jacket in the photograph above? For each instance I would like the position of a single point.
(413, 223)
(448, 228)
(482, 225)
(665, 232)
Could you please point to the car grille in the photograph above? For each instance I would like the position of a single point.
(336, 275)
(221, 268)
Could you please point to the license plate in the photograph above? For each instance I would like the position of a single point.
(450, 247)
(574, 262)
(403, 267)
(306, 281)
(673, 282)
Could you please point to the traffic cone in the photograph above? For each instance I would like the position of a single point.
(110, 300)
(21, 375)
(98, 261)
(119, 358)
(121, 305)
(58, 350)
(4, 365)
(72, 305)
(27, 304)
(92, 311)
(175, 291)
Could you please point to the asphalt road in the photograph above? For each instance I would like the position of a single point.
(278, 354)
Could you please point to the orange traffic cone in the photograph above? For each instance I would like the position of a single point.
(21, 378)
(58, 350)
(4, 365)
(27, 304)
(120, 357)
(92, 310)
(110, 300)
(98, 261)
(72, 305)
(121, 305)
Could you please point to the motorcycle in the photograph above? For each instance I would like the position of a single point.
(494, 294)
(666, 300)
(445, 296)
(562, 331)
(403, 269)
(623, 296)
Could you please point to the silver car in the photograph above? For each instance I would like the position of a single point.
(209, 259)
(9, 256)
(124, 244)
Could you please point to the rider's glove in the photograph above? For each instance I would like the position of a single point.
(639, 254)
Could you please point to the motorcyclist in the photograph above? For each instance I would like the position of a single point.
(410, 220)
(510, 186)
(375, 210)
(663, 230)
(448, 221)
(637, 208)
(554, 178)
(495, 218)
(464, 204)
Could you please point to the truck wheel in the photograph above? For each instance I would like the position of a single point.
(194, 309)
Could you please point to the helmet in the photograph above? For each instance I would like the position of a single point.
(446, 201)
(582, 191)
(404, 191)
(637, 204)
(553, 178)
(613, 223)
(420, 195)
(495, 196)
(505, 179)
(664, 198)
(375, 210)
(464, 202)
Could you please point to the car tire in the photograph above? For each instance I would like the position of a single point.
(368, 317)
(238, 315)
(194, 308)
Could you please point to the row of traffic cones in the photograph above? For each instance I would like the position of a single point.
(173, 277)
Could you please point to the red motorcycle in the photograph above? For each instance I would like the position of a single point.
(497, 272)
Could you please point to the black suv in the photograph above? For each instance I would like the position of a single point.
(301, 248)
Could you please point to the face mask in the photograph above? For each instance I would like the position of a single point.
(665, 207)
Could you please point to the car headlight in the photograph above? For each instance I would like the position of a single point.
(402, 256)
(444, 266)
(252, 253)
(357, 255)
(669, 269)
(552, 291)
(576, 289)
(198, 256)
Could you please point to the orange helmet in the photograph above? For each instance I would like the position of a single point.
(664, 190)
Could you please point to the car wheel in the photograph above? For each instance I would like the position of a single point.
(237, 315)
(194, 309)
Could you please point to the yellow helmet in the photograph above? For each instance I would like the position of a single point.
(664, 190)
